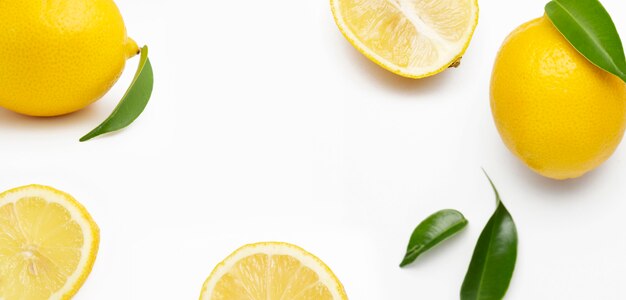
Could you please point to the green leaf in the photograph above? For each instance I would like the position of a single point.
(132, 104)
(493, 261)
(589, 28)
(432, 231)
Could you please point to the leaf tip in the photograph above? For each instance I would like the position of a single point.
(87, 137)
(488, 178)
(409, 258)
(406, 261)
(493, 186)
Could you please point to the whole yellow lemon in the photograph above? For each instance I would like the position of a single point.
(557, 112)
(58, 56)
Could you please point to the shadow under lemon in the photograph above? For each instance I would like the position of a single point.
(393, 82)
(83, 119)
(551, 186)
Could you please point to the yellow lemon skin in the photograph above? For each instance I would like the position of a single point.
(59, 56)
(560, 114)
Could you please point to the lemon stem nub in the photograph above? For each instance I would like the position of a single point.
(131, 48)
(456, 63)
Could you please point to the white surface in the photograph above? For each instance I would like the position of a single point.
(265, 124)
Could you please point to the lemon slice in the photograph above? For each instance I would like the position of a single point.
(412, 38)
(272, 271)
(48, 244)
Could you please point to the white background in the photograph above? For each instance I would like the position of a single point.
(265, 124)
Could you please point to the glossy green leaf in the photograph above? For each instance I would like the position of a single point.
(493, 261)
(132, 104)
(589, 28)
(432, 231)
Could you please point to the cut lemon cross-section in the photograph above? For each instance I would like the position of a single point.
(412, 38)
(272, 271)
(48, 244)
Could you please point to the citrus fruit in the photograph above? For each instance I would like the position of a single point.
(48, 244)
(411, 38)
(555, 110)
(59, 56)
(272, 271)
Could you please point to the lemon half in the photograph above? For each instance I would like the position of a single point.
(411, 38)
(272, 271)
(48, 244)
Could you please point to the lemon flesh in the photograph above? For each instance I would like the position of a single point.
(48, 244)
(272, 271)
(59, 56)
(560, 114)
(412, 38)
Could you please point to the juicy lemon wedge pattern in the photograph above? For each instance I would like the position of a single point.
(272, 271)
(48, 244)
(412, 38)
